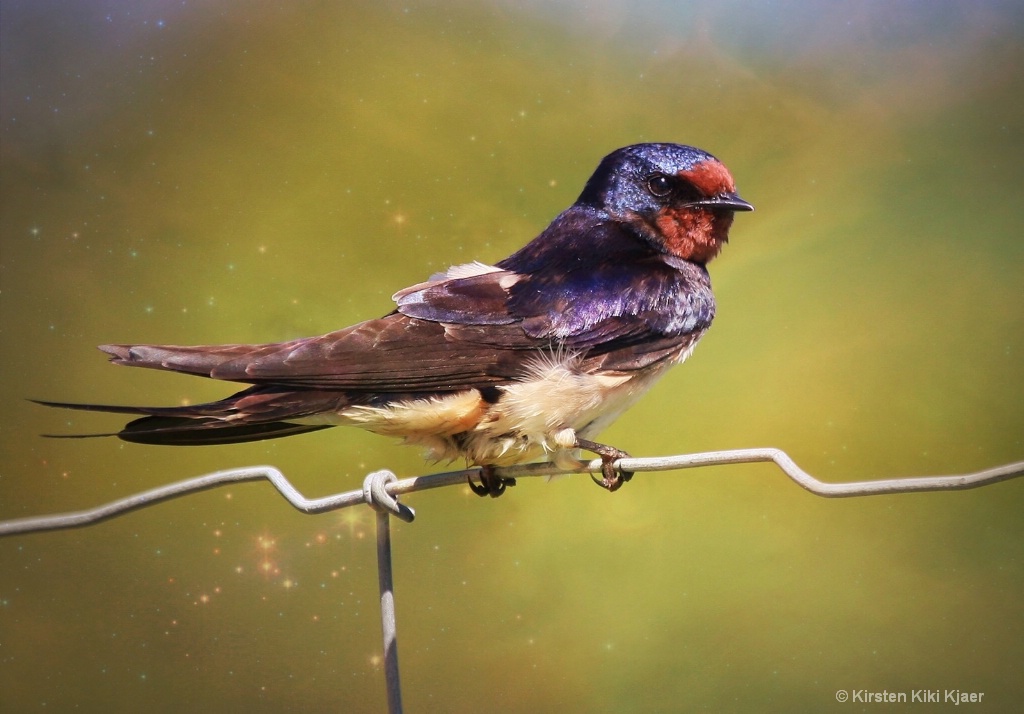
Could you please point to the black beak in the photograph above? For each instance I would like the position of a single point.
(726, 201)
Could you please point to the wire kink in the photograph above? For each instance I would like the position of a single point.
(399, 487)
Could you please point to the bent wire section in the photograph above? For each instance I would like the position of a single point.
(395, 488)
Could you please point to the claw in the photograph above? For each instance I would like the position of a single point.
(611, 477)
(490, 483)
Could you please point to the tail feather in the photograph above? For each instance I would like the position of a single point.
(182, 431)
(108, 408)
(252, 415)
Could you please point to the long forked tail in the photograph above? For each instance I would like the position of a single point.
(234, 420)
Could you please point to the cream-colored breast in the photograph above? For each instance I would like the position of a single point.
(542, 413)
(553, 405)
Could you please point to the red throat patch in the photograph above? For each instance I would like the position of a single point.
(693, 234)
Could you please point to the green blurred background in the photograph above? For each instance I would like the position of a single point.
(228, 171)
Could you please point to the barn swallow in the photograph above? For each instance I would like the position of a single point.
(498, 364)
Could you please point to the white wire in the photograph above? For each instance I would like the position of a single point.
(89, 516)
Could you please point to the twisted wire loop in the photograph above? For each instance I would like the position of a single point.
(376, 495)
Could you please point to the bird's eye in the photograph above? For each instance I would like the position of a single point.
(659, 185)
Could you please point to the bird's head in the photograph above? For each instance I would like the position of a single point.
(680, 199)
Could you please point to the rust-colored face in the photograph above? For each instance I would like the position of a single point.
(696, 230)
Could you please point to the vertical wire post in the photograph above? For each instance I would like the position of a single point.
(388, 626)
(385, 505)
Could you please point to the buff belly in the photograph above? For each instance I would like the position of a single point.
(540, 415)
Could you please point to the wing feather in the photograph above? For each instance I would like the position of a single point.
(476, 328)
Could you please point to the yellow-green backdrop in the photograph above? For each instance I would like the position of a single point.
(233, 171)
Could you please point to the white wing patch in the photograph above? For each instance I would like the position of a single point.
(455, 272)
(465, 270)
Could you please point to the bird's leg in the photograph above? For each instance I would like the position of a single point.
(612, 478)
(490, 483)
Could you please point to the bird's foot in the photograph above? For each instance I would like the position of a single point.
(490, 483)
(612, 478)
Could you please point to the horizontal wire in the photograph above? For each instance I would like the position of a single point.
(75, 519)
